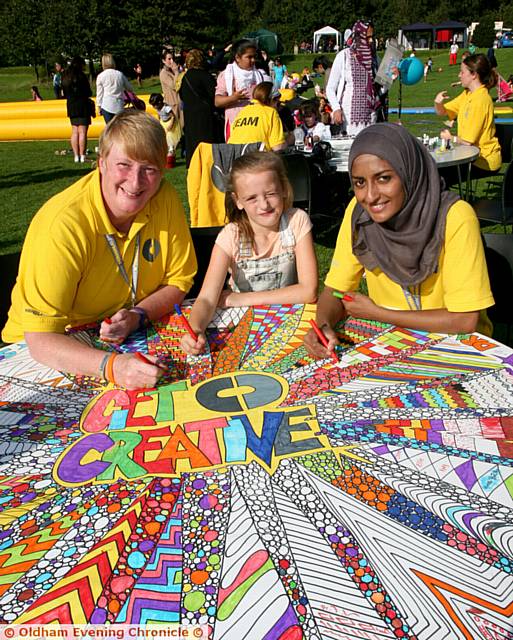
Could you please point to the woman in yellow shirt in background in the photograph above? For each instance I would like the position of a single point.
(474, 110)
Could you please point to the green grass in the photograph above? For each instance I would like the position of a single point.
(30, 172)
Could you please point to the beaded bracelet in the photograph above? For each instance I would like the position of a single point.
(109, 369)
(103, 365)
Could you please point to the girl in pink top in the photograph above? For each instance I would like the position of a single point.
(236, 83)
(267, 247)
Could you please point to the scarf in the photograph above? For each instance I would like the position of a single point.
(244, 79)
(406, 247)
(364, 100)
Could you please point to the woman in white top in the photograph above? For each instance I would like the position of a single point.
(110, 87)
(350, 89)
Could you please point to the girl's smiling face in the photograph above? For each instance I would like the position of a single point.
(377, 187)
(261, 196)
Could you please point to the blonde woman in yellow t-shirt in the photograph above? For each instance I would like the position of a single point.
(474, 110)
(418, 245)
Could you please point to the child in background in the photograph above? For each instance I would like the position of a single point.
(267, 247)
(36, 96)
(171, 126)
(311, 125)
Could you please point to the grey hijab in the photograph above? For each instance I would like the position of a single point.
(406, 247)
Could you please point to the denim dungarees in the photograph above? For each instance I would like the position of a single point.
(266, 274)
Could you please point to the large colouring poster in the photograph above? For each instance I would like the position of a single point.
(260, 492)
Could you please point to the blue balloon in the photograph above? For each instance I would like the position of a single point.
(411, 70)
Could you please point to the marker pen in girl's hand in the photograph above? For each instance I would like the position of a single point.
(322, 338)
(185, 323)
(343, 296)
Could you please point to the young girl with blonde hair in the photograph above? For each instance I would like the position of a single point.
(267, 247)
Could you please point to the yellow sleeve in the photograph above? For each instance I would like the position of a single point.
(276, 136)
(464, 274)
(193, 185)
(48, 279)
(345, 270)
(453, 106)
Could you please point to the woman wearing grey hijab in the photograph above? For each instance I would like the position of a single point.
(418, 246)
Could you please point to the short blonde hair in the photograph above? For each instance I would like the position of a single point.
(108, 61)
(194, 59)
(142, 137)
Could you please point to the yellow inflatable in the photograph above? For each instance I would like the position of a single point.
(46, 120)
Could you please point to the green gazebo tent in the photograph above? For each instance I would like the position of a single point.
(267, 40)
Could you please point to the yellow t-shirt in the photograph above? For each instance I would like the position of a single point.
(257, 123)
(476, 124)
(460, 284)
(67, 274)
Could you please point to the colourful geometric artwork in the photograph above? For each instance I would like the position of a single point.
(262, 493)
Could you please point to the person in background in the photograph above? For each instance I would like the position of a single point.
(111, 85)
(418, 245)
(171, 126)
(138, 74)
(259, 121)
(168, 76)
(77, 92)
(57, 81)
(322, 65)
(310, 123)
(490, 54)
(267, 247)
(279, 73)
(351, 90)
(453, 54)
(36, 96)
(474, 110)
(197, 92)
(235, 84)
(214, 62)
(112, 248)
(264, 62)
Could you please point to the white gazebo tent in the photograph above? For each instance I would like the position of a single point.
(327, 31)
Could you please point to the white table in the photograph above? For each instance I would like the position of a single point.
(457, 156)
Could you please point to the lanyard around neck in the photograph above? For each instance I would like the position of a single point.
(118, 259)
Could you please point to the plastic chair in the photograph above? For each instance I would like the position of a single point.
(498, 211)
(298, 172)
(9, 269)
(203, 239)
(504, 132)
(499, 260)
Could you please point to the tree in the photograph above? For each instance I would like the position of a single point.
(484, 33)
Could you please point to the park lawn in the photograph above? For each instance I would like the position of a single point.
(31, 172)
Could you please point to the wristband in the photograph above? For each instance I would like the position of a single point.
(109, 369)
(143, 317)
(103, 364)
